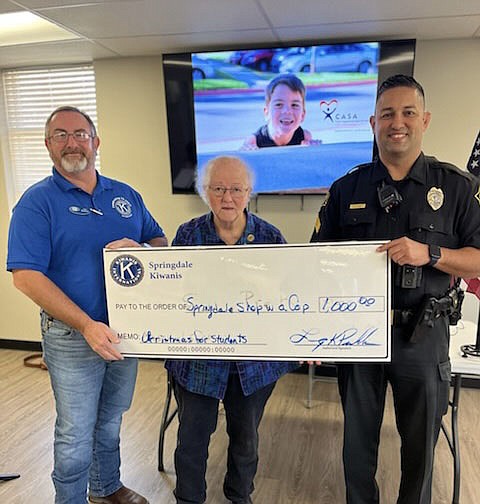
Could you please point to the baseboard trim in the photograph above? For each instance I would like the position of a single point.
(330, 371)
(32, 346)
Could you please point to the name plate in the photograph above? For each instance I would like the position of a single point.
(328, 302)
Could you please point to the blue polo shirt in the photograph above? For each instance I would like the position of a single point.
(60, 230)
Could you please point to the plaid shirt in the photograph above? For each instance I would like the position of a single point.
(210, 377)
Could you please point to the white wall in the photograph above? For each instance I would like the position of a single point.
(132, 128)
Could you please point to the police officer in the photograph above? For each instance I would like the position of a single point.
(430, 213)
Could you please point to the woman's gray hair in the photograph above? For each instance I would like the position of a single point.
(205, 174)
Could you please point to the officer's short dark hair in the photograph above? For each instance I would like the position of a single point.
(400, 80)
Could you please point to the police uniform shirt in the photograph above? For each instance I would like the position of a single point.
(441, 206)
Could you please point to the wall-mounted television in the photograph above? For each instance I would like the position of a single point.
(216, 101)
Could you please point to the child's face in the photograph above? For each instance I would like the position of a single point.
(285, 112)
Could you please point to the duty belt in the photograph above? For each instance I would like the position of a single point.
(449, 305)
(408, 277)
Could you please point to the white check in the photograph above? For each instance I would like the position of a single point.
(328, 302)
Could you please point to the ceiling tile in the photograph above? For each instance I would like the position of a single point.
(150, 17)
(6, 6)
(27, 28)
(78, 51)
(47, 4)
(457, 27)
(284, 13)
(144, 27)
(135, 46)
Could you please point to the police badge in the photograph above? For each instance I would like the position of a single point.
(435, 197)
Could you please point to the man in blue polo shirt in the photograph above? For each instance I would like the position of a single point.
(57, 232)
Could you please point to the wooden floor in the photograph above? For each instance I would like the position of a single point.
(300, 448)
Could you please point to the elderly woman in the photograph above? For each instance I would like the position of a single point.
(243, 386)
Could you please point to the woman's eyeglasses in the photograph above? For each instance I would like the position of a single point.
(235, 192)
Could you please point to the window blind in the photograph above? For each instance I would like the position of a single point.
(30, 95)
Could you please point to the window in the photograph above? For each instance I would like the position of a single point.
(29, 96)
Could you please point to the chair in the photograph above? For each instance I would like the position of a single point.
(311, 380)
(329, 369)
(167, 418)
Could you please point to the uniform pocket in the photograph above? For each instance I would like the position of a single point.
(431, 228)
(359, 223)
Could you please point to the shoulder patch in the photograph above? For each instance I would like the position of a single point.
(477, 195)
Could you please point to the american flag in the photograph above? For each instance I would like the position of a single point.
(473, 166)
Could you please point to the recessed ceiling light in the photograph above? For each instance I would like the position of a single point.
(27, 28)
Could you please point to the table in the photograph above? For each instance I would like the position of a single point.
(464, 333)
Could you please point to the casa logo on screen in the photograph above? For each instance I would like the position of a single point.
(127, 270)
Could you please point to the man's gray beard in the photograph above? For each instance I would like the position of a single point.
(74, 166)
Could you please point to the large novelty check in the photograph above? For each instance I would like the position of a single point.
(282, 302)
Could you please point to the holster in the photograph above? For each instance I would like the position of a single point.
(432, 308)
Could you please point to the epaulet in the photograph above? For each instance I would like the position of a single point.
(359, 167)
(355, 169)
(433, 161)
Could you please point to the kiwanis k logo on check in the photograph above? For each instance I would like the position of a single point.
(126, 270)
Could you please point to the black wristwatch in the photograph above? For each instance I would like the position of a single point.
(435, 253)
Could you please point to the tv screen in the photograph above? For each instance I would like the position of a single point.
(298, 115)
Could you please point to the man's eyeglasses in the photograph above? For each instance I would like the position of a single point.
(62, 136)
(235, 192)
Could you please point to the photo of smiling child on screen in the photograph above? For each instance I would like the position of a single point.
(284, 112)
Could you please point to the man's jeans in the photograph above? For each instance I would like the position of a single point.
(91, 395)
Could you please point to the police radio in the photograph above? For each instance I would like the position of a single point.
(388, 196)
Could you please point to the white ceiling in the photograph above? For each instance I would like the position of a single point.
(115, 28)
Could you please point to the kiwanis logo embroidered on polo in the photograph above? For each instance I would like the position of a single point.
(122, 206)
